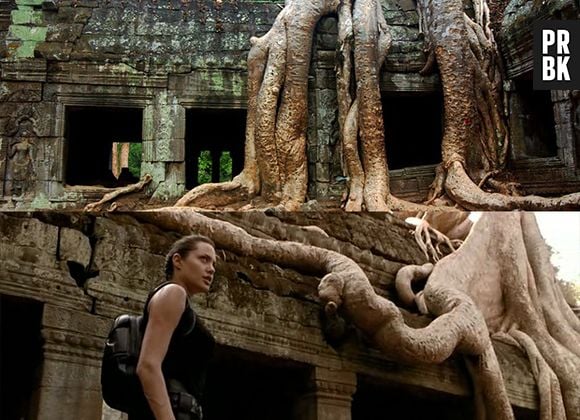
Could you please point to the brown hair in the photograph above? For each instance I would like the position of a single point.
(183, 247)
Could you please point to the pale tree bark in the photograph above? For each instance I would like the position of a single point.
(503, 268)
(499, 284)
(275, 159)
(475, 124)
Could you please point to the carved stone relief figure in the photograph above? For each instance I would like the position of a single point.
(20, 170)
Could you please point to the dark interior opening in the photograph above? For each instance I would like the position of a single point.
(536, 134)
(247, 386)
(214, 145)
(20, 355)
(373, 399)
(413, 129)
(92, 133)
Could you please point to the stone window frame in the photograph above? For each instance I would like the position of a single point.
(565, 144)
(82, 100)
(223, 103)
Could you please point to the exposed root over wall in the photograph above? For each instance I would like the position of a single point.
(498, 283)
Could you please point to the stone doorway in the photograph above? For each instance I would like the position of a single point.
(249, 386)
(413, 129)
(532, 121)
(103, 146)
(214, 145)
(20, 356)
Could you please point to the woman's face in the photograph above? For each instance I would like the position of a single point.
(196, 268)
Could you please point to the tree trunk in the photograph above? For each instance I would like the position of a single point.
(475, 134)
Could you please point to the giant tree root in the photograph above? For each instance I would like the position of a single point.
(504, 269)
(500, 280)
(463, 190)
(118, 192)
(214, 195)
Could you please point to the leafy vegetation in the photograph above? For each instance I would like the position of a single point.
(204, 162)
(135, 157)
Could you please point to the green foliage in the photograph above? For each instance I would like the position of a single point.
(204, 167)
(205, 162)
(135, 156)
(225, 167)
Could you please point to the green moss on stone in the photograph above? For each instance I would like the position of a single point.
(26, 16)
(29, 2)
(167, 191)
(26, 49)
(40, 201)
(27, 33)
(217, 81)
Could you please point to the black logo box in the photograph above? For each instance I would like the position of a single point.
(573, 28)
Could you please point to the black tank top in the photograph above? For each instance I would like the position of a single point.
(190, 350)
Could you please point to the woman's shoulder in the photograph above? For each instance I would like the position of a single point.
(169, 289)
(171, 294)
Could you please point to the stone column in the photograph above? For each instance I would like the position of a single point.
(322, 134)
(329, 396)
(70, 385)
(164, 146)
(564, 117)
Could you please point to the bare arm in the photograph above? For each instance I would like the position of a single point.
(165, 310)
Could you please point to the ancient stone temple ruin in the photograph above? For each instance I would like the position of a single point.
(167, 80)
(63, 277)
(318, 315)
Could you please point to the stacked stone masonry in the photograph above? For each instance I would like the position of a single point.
(255, 308)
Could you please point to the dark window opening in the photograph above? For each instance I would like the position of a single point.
(532, 120)
(413, 129)
(214, 145)
(20, 356)
(104, 146)
(256, 387)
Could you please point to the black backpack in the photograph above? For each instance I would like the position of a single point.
(119, 381)
(120, 384)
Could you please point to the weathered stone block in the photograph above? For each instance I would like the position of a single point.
(322, 172)
(139, 264)
(64, 32)
(155, 169)
(31, 241)
(328, 25)
(54, 50)
(323, 153)
(148, 150)
(327, 41)
(68, 15)
(69, 390)
(74, 246)
(325, 79)
(312, 153)
(20, 92)
(560, 95)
